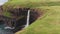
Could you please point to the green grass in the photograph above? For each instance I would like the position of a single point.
(7, 14)
(31, 3)
(49, 23)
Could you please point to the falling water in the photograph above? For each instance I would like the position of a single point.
(28, 16)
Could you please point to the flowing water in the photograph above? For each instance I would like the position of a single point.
(2, 30)
(28, 16)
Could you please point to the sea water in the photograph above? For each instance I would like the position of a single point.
(2, 30)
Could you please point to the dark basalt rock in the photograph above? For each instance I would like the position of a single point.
(34, 14)
(16, 21)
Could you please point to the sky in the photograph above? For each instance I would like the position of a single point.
(3, 1)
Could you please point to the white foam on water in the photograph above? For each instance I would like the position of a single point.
(3, 1)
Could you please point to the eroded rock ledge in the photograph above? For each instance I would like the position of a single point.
(19, 16)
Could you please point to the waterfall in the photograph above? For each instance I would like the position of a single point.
(28, 16)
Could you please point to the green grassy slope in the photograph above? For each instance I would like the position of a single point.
(47, 24)
(31, 3)
(28, 3)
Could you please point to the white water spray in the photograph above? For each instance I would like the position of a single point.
(28, 16)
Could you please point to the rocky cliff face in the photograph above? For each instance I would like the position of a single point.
(19, 16)
(21, 21)
(1, 10)
(4, 18)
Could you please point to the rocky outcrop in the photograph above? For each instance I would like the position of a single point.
(19, 16)
(20, 22)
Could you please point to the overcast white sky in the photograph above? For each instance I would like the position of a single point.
(3, 1)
